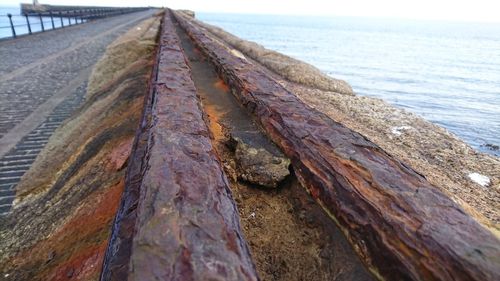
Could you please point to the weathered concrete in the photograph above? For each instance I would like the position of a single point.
(402, 226)
(60, 227)
(27, 148)
(187, 225)
(41, 76)
(12, 137)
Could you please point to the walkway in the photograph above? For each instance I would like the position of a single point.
(43, 79)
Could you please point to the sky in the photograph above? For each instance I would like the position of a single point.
(455, 10)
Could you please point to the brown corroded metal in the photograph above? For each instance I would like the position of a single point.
(403, 227)
(116, 261)
(184, 224)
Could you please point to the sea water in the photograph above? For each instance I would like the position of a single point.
(446, 72)
(20, 24)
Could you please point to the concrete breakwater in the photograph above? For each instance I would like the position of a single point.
(180, 210)
(41, 88)
(66, 202)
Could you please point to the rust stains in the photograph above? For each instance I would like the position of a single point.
(119, 155)
(401, 225)
(85, 265)
(214, 116)
(72, 247)
(177, 212)
(221, 85)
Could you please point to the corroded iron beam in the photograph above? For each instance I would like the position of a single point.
(402, 227)
(185, 224)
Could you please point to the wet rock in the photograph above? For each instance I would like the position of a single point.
(259, 166)
(492, 147)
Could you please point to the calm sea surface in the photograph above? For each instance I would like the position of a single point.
(448, 73)
(20, 24)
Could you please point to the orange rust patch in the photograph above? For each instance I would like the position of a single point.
(79, 244)
(84, 265)
(214, 117)
(119, 155)
(221, 85)
(97, 212)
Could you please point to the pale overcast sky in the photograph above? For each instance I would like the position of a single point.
(466, 10)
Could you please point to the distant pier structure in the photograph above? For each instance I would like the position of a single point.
(49, 17)
(35, 8)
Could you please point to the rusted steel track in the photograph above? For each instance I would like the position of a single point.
(178, 220)
(403, 227)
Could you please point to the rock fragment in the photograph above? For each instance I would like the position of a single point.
(259, 166)
(482, 180)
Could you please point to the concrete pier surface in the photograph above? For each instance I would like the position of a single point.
(162, 171)
(43, 79)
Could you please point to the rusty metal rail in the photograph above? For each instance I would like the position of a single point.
(401, 226)
(178, 220)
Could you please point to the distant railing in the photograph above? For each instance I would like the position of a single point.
(49, 20)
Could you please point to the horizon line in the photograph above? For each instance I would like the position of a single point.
(448, 20)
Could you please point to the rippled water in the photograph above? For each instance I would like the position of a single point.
(448, 73)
